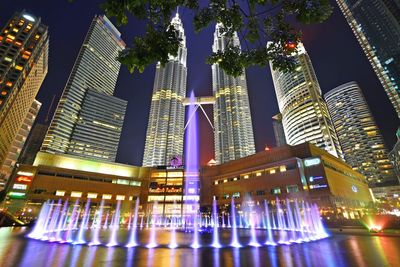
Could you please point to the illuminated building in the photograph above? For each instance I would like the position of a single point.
(164, 138)
(88, 119)
(303, 172)
(361, 142)
(376, 25)
(394, 155)
(166, 189)
(233, 133)
(24, 44)
(305, 116)
(279, 131)
(19, 142)
(60, 176)
(33, 143)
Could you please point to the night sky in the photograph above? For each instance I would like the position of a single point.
(335, 53)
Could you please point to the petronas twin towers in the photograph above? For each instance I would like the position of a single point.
(233, 130)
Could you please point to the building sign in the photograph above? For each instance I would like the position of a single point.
(312, 161)
(24, 179)
(16, 195)
(313, 178)
(317, 186)
(176, 162)
(20, 186)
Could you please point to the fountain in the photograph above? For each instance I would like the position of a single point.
(69, 223)
(286, 222)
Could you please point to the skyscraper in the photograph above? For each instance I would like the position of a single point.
(164, 138)
(279, 131)
(33, 144)
(361, 142)
(233, 136)
(19, 142)
(305, 115)
(88, 119)
(394, 155)
(24, 44)
(376, 25)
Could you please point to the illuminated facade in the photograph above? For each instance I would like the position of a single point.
(305, 116)
(233, 133)
(88, 119)
(361, 142)
(376, 25)
(394, 155)
(165, 193)
(279, 131)
(24, 44)
(302, 172)
(164, 138)
(56, 176)
(13, 154)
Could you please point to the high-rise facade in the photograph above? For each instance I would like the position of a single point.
(279, 131)
(360, 139)
(14, 152)
(376, 25)
(394, 155)
(33, 144)
(164, 138)
(305, 116)
(24, 44)
(233, 136)
(88, 119)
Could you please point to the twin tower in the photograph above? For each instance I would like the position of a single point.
(233, 130)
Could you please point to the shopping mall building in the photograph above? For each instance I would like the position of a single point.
(288, 172)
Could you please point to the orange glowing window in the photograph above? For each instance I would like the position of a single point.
(25, 56)
(1, 38)
(8, 40)
(3, 93)
(27, 53)
(37, 36)
(18, 43)
(9, 84)
(18, 67)
(12, 37)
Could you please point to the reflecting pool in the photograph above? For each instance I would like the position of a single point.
(337, 250)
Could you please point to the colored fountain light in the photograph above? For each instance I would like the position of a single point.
(295, 222)
(286, 222)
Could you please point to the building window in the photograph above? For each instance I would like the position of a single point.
(120, 197)
(76, 194)
(272, 171)
(258, 174)
(292, 189)
(107, 196)
(173, 198)
(276, 191)
(282, 168)
(135, 183)
(92, 195)
(226, 196)
(236, 195)
(60, 193)
(215, 182)
(260, 192)
(155, 198)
